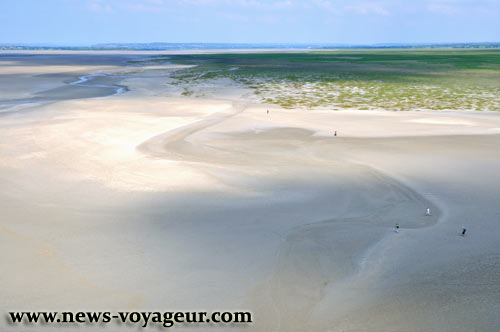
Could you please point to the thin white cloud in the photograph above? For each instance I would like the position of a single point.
(326, 5)
(368, 8)
(241, 3)
(484, 8)
(442, 8)
(296, 8)
(99, 6)
(109, 6)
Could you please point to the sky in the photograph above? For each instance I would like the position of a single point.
(86, 22)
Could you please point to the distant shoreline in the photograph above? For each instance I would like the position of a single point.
(154, 52)
(221, 51)
(182, 47)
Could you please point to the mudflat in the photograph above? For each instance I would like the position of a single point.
(119, 191)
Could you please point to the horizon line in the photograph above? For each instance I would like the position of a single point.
(151, 46)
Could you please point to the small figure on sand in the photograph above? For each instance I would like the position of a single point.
(463, 231)
(428, 212)
(335, 134)
(396, 228)
(267, 111)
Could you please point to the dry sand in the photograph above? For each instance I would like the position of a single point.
(147, 201)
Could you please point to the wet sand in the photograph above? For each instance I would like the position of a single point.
(151, 201)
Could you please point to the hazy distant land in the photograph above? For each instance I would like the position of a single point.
(159, 46)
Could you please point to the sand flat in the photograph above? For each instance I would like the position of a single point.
(152, 201)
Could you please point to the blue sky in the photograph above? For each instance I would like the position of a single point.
(84, 22)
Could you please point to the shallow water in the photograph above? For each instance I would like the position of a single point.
(95, 85)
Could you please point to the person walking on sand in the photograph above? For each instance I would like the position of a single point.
(396, 228)
(335, 134)
(267, 111)
(463, 231)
